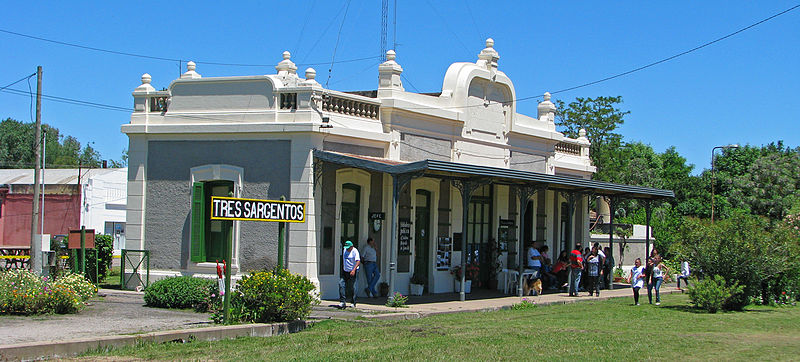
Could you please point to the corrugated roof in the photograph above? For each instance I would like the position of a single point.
(446, 169)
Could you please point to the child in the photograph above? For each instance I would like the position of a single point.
(594, 272)
(637, 279)
(684, 274)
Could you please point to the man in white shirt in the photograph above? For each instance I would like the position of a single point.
(534, 261)
(351, 260)
(370, 260)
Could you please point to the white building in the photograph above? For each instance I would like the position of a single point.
(353, 157)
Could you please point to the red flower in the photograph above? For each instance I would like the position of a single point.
(784, 293)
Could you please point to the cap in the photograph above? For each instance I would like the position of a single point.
(348, 244)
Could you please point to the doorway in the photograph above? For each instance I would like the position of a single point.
(422, 221)
(351, 210)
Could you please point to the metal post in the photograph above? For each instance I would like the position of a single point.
(647, 212)
(122, 270)
(281, 231)
(466, 194)
(393, 234)
(227, 300)
(83, 250)
(520, 249)
(611, 207)
(35, 262)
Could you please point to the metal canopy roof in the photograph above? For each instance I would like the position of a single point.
(453, 170)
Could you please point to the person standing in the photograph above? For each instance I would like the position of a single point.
(576, 266)
(684, 274)
(608, 269)
(637, 279)
(351, 260)
(370, 259)
(593, 268)
(656, 279)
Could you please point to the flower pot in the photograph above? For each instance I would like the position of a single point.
(620, 280)
(416, 289)
(467, 286)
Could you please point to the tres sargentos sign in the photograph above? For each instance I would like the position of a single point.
(232, 208)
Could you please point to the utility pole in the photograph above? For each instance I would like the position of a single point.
(35, 261)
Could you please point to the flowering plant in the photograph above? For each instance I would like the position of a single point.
(473, 271)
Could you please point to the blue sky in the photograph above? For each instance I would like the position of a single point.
(741, 90)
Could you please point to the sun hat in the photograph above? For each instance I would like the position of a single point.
(348, 244)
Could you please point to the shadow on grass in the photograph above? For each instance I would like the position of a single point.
(695, 310)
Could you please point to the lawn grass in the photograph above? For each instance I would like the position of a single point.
(603, 330)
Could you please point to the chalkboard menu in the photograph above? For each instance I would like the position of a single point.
(404, 237)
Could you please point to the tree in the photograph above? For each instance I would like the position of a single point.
(17, 147)
(600, 117)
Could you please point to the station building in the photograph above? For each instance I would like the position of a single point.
(437, 179)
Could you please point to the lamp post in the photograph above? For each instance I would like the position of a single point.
(712, 174)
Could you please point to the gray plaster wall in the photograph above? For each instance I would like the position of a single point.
(528, 162)
(353, 149)
(266, 165)
(416, 148)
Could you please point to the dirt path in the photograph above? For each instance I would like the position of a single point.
(118, 312)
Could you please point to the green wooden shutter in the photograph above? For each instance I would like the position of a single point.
(198, 247)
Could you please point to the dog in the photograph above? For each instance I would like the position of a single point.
(532, 285)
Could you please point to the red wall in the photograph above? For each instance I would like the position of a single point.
(61, 213)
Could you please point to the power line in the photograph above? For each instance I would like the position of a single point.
(70, 101)
(677, 55)
(17, 81)
(636, 69)
(336, 46)
(153, 57)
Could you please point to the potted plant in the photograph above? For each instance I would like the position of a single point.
(383, 289)
(417, 284)
(619, 275)
(472, 274)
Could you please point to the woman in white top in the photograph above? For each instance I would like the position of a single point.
(637, 279)
(659, 269)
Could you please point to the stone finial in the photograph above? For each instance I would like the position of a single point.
(145, 87)
(286, 66)
(582, 133)
(488, 57)
(190, 73)
(547, 110)
(311, 74)
(389, 73)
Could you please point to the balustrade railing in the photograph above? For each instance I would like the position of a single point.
(350, 107)
(568, 148)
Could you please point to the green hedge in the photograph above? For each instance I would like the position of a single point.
(713, 293)
(267, 296)
(181, 292)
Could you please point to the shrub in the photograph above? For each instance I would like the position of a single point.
(713, 294)
(104, 252)
(397, 300)
(745, 249)
(23, 292)
(180, 292)
(272, 296)
(523, 305)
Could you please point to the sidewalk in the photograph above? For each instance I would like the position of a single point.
(479, 300)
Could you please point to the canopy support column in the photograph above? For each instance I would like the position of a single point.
(571, 198)
(466, 187)
(524, 193)
(648, 212)
(612, 205)
(398, 182)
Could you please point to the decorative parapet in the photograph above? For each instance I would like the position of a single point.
(159, 102)
(350, 105)
(568, 148)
